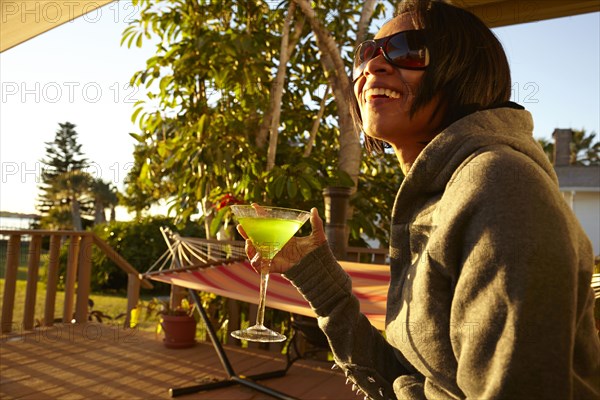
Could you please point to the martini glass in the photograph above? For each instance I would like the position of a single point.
(269, 228)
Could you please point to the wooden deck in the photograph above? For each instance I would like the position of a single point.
(97, 361)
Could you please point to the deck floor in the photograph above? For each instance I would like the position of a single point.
(97, 361)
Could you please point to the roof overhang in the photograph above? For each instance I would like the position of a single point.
(23, 20)
(496, 13)
(578, 178)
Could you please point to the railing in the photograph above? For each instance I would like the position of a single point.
(78, 273)
(367, 255)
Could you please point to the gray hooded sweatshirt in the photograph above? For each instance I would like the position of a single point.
(489, 293)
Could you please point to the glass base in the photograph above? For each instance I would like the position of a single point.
(259, 333)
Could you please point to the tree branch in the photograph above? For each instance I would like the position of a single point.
(365, 18)
(333, 65)
(327, 45)
(316, 124)
(278, 87)
(265, 125)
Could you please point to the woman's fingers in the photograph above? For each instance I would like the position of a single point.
(260, 211)
(241, 231)
(293, 251)
(253, 255)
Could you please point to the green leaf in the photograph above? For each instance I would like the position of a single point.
(139, 138)
(292, 188)
(136, 113)
(126, 33)
(131, 37)
(144, 171)
(201, 123)
(305, 189)
(217, 221)
(257, 193)
(279, 185)
(162, 150)
(313, 181)
(165, 82)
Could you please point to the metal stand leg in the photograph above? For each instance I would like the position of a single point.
(232, 378)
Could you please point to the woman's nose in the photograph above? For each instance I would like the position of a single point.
(377, 64)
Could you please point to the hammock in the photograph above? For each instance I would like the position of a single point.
(221, 267)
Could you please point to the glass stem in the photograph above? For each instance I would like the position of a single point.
(264, 281)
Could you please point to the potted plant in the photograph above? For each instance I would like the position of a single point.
(178, 324)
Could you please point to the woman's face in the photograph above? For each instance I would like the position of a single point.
(386, 113)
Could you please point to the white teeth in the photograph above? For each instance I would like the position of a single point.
(382, 92)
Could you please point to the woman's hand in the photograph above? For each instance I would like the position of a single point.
(294, 250)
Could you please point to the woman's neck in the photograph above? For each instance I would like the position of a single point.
(408, 154)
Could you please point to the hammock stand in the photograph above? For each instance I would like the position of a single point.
(221, 267)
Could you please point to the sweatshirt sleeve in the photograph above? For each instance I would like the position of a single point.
(358, 347)
(523, 284)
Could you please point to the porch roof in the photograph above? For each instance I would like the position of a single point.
(23, 20)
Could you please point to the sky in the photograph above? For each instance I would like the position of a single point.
(78, 72)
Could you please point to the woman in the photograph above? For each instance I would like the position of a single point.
(490, 271)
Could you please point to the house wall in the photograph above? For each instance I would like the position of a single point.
(586, 206)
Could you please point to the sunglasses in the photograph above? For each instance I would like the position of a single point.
(403, 50)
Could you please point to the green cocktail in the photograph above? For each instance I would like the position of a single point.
(269, 235)
(269, 229)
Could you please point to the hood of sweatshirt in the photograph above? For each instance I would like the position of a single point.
(510, 126)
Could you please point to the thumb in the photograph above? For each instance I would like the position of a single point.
(316, 224)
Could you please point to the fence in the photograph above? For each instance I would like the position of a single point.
(77, 277)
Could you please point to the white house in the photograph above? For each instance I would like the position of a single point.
(580, 185)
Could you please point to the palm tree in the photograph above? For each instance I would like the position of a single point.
(583, 149)
(548, 147)
(105, 196)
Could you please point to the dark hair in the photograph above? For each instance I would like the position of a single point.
(467, 68)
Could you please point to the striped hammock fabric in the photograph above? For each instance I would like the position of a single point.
(237, 280)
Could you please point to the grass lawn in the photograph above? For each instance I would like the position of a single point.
(109, 305)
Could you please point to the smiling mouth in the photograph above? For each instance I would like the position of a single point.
(381, 93)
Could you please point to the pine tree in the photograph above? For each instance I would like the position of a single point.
(65, 183)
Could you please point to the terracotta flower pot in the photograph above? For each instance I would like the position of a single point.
(180, 331)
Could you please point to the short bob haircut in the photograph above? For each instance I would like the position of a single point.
(467, 66)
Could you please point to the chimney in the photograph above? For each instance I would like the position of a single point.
(562, 147)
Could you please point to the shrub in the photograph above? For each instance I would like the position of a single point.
(140, 242)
